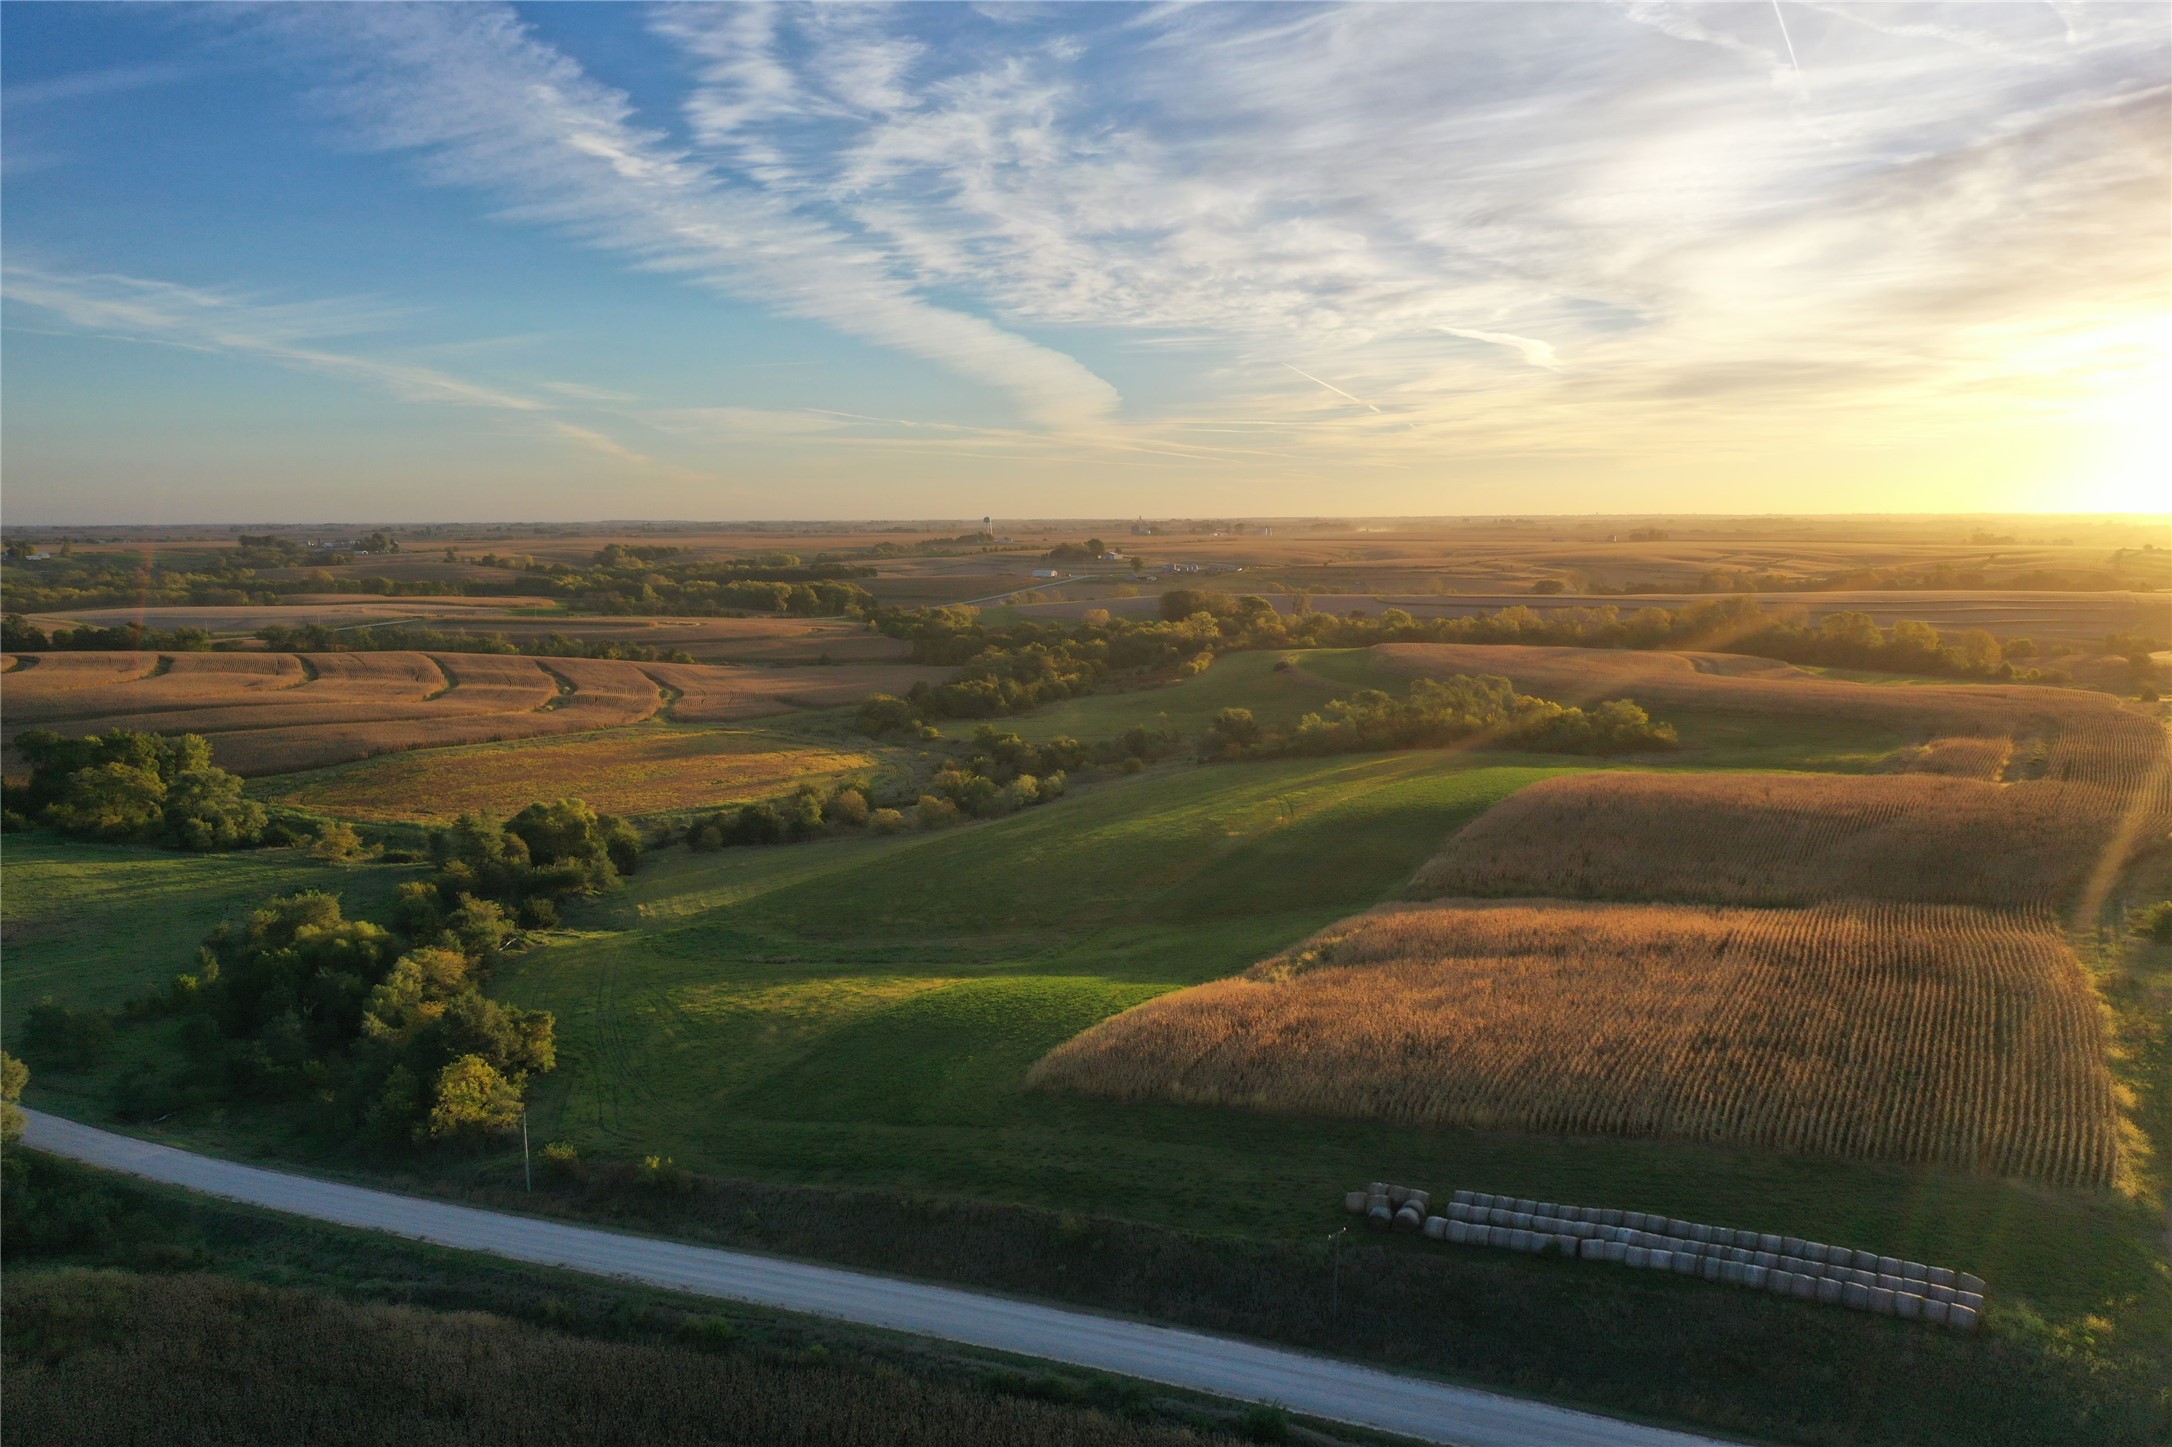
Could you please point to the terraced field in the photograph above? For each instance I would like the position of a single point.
(269, 713)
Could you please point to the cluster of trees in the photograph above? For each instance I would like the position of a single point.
(136, 788)
(19, 635)
(380, 1027)
(317, 638)
(1086, 552)
(1023, 665)
(1441, 712)
(997, 773)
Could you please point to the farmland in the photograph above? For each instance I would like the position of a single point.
(270, 713)
(632, 772)
(1906, 1032)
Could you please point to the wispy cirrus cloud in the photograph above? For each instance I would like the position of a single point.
(492, 108)
(287, 334)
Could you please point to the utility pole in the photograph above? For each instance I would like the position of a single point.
(527, 1172)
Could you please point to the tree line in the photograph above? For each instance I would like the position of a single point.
(1480, 709)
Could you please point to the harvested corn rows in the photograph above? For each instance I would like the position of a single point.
(1782, 1265)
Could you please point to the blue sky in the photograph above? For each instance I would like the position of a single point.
(571, 261)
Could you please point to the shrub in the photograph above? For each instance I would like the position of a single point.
(60, 1039)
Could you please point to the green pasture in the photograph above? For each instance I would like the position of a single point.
(95, 924)
(865, 1012)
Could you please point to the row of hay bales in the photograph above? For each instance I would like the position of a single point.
(1782, 1265)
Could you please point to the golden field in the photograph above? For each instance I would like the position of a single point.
(1908, 1032)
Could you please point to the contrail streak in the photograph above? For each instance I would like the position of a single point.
(1331, 387)
(1791, 60)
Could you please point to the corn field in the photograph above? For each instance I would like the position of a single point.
(1911, 1032)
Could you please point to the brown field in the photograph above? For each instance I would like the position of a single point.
(275, 713)
(2068, 783)
(1908, 1032)
(1741, 838)
(712, 695)
(630, 772)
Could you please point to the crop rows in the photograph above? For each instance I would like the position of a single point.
(1910, 1032)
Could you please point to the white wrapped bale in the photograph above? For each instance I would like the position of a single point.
(1638, 1256)
(1617, 1252)
(1459, 1233)
(1436, 1228)
(1685, 1263)
(1829, 1291)
(1354, 1202)
(1753, 1277)
(1907, 1305)
(1889, 1266)
(1660, 1260)
(1678, 1228)
(1803, 1288)
(1881, 1300)
(1463, 1198)
(1915, 1271)
(1934, 1311)
(1941, 1276)
(1409, 1218)
(1377, 1188)
(1855, 1296)
(1565, 1244)
(1711, 1268)
(1423, 1200)
(1865, 1260)
(1791, 1246)
(1545, 1208)
(1379, 1216)
(1591, 1248)
(1610, 1216)
(1969, 1282)
(1770, 1243)
(1779, 1282)
(1973, 1300)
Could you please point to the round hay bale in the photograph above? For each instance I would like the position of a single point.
(1678, 1227)
(1907, 1305)
(1753, 1277)
(1591, 1248)
(1354, 1202)
(1638, 1256)
(1803, 1288)
(1700, 1233)
(1934, 1310)
(1889, 1266)
(1973, 1300)
(1481, 1198)
(1565, 1244)
(1711, 1268)
(1436, 1228)
(1378, 1217)
(1766, 1259)
(1524, 1204)
(1881, 1300)
(1499, 1216)
(1829, 1291)
(1459, 1232)
(1617, 1252)
(1779, 1282)
(1969, 1282)
(1545, 1208)
(1423, 1200)
(1410, 1218)
(1610, 1216)
(1941, 1276)
(1685, 1263)
(1769, 1243)
(1485, 1236)
(1659, 1260)
(1519, 1239)
(1377, 1188)
(1855, 1296)
(1933, 1291)
(1462, 1198)
(1791, 1246)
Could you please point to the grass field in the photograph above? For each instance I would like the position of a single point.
(93, 924)
(632, 772)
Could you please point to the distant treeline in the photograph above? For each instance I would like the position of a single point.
(616, 580)
(1014, 667)
(395, 638)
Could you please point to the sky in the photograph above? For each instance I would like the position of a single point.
(457, 263)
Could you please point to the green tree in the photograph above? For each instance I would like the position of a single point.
(472, 1100)
(14, 1075)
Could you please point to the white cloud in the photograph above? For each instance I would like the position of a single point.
(288, 334)
(495, 109)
